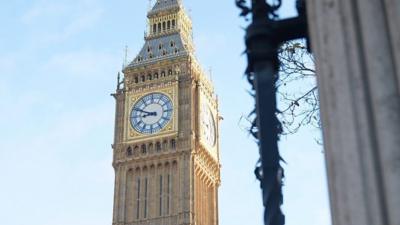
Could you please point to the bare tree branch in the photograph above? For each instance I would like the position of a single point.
(297, 90)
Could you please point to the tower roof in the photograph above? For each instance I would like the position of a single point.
(165, 47)
(167, 37)
(165, 5)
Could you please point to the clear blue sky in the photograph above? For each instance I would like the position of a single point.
(58, 65)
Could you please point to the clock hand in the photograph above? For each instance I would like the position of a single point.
(139, 110)
(150, 114)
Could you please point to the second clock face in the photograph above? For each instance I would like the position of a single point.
(208, 123)
(151, 113)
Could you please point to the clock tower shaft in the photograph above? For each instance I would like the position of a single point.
(166, 146)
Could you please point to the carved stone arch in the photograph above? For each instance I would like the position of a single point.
(163, 73)
(137, 169)
(136, 79)
(165, 145)
(155, 75)
(129, 190)
(159, 28)
(143, 149)
(173, 144)
(151, 148)
(168, 24)
(158, 146)
(149, 76)
(136, 150)
(129, 151)
(169, 72)
(143, 78)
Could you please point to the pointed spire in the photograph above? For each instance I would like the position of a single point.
(125, 62)
(165, 4)
(167, 36)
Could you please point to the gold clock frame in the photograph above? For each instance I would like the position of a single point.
(130, 134)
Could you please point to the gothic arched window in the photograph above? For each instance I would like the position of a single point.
(159, 27)
(144, 149)
(129, 151)
(158, 146)
(135, 150)
(173, 144)
(143, 78)
(169, 24)
(154, 28)
(136, 79)
(156, 76)
(173, 23)
(163, 26)
(149, 77)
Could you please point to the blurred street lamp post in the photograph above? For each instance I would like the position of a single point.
(264, 36)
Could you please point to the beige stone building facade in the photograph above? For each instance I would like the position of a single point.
(166, 144)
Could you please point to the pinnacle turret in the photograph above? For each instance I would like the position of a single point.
(165, 5)
(169, 33)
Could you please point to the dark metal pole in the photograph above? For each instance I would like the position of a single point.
(262, 53)
(263, 38)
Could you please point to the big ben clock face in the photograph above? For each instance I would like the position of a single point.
(151, 113)
(208, 123)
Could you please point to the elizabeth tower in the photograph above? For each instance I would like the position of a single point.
(166, 154)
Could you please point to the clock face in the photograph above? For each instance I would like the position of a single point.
(208, 123)
(151, 113)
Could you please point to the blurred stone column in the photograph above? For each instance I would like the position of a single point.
(357, 47)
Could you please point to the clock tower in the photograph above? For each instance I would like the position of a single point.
(166, 147)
